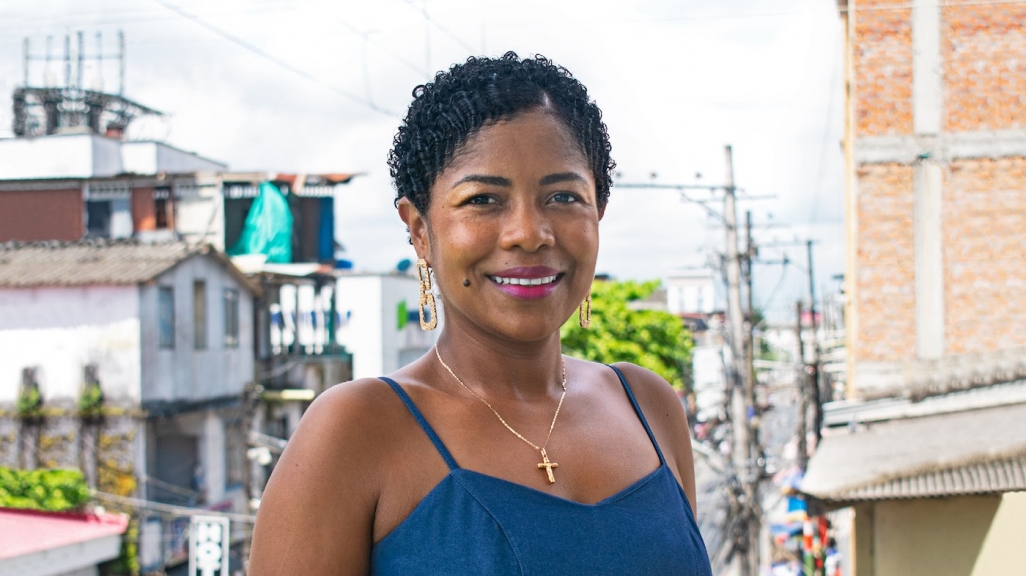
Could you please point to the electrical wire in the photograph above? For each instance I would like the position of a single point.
(270, 57)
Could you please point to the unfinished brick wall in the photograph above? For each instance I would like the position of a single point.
(984, 231)
(984, 53)
(883, 69)
(28, 215)
(885, 289)
(983, 213)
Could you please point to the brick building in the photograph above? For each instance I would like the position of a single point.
(936, 194)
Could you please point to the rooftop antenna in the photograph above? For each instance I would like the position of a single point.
(47, 78)
(99, 58)
(67, 60)
(121, 58)
(26, 47)
(81, 59)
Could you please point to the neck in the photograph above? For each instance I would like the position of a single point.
(517, 370)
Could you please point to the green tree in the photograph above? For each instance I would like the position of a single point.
(53, 490)
(652, 339)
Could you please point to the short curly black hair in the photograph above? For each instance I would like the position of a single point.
(447, 112)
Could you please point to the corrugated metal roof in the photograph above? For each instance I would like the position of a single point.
(970, 452)
(1001, 475)
(26, 265)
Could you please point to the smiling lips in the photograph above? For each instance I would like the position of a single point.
(527, 283)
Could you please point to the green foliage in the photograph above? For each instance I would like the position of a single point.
(127, 563)
(50, 490)
(652, 339)
(30, 402)
(90, 403)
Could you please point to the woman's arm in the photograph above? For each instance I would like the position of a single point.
(316, 515)
(665, 414)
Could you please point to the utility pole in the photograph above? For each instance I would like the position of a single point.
(748, 548)
(814, 385)
(801, 384)
(750, 255)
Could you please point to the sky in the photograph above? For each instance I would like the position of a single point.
(321, 85)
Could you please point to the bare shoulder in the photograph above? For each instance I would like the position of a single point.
(658, 400)
(318, 509)
(664, 411)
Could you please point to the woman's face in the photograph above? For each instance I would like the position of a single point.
(514, 214)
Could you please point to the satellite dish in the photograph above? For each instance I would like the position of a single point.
(403, 265)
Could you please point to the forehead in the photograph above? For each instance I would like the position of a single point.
(534, 136)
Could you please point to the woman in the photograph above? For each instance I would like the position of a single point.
(493, 453)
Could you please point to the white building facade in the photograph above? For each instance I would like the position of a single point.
(379, 323)
(164, 331)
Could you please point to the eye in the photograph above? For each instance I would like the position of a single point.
(479, 200)
(565, 198)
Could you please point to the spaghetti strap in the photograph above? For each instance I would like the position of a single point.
(641, 416)
(424, 423)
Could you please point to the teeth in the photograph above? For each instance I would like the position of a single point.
(525, 281)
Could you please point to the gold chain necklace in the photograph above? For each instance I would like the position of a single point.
(545, 463)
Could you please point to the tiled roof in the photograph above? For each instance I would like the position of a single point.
(25, 265)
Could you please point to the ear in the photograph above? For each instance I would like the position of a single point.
(416, 223)
(602, 210)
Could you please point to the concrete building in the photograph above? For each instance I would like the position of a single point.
(936, 194)
(927, 486)
(691, 291)
(128, 360)
(923, 461)
(380, 323)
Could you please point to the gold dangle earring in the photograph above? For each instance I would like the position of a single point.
(584, 313)
(427, 298)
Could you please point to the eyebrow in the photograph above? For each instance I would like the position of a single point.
(506, 182)
(481, 178)
(561, 177)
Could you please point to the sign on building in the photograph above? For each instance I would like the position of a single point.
(208, 546)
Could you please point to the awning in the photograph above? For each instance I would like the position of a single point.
(43, 543)
(979, 451)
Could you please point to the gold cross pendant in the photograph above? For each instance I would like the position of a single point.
(548, 466)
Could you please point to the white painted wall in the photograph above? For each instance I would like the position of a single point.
(61, 330)
(184, 373)
(67, 156)
(370, 330)
(92, 156)
(692, 292)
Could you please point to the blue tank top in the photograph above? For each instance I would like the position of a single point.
(472, 523)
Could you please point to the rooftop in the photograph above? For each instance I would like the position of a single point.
(967, 443)
(97, 262)
(28, 534)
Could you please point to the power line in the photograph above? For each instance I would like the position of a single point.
(142, 504)
(443, 29)
(255, 50)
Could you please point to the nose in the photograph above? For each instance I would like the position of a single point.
(527, 227)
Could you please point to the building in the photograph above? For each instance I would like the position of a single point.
(691, 291)
(934, 486)
(936, 194)
(128, 360)
(922, 463)
(380, 322)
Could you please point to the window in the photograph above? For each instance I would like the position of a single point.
(162, 207)
(98, 218)
(199, 314)
(166, 316)
(231, 318)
